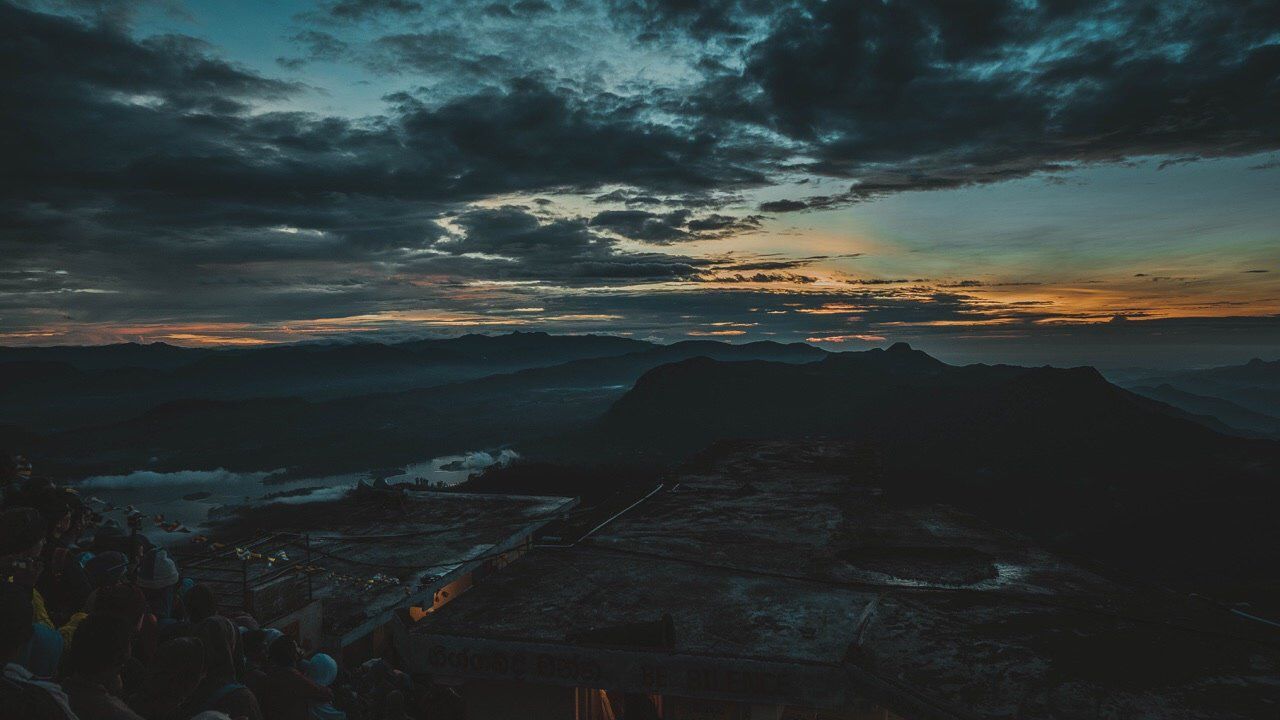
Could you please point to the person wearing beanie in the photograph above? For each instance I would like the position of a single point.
(94, 661)
(322, 670)
(157, 570)
(158, 578)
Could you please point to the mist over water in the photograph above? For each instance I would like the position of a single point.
(190, 496)
(453, 469)
(139, 479)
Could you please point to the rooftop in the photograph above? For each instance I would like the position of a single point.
(374, 551)
(790, 553)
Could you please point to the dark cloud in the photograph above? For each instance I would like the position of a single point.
(180, 198)
(115, 13)
(175, 151)
(498, 10)
(718, 225)
(644, 226)
(523, 8)
(701, 19)
(438, 51)
(760, 277)
(510, 242)
(364, 9)
(149, 176)
(316, 45)
(628, 197)
(767, 265)
(531, 7)
(782, 206)
(884, 281)
(675, 226)
(923, 95)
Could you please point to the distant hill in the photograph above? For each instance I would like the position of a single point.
(1061, 454)
(157, 356)
(1253, 388)
(531, 348)
(59, 388)
(1238, 419)
(536, 405)
(1058, 453)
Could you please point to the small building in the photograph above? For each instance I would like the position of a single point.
(337, 571)
(779, 580)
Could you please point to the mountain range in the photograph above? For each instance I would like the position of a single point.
(225, 410)
(1245, 398)
(1059, 454)
(1088, 467)
(57, 388)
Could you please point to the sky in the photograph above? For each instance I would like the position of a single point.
(1034, 182)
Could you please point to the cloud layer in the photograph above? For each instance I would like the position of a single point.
(609, 171)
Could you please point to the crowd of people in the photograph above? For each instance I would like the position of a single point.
(98, 623)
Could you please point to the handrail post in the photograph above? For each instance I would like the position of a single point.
(306, 538)
(244, 581)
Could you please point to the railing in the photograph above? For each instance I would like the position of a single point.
(236, 578)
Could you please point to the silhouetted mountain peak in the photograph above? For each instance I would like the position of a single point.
(899, 358)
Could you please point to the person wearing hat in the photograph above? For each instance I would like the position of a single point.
(322, 670)
(158, 578)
